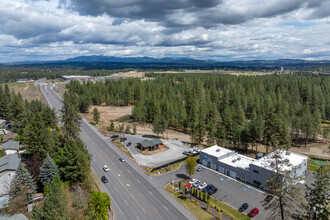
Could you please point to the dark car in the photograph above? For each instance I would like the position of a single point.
(212, 190)
(253, 212)
(114, 136)
(123, 139)
(243, 207)
(269, 198)
(207, 188)
(128, 144)
(122, 159)
(104, 179)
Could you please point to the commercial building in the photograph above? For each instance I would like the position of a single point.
(250, 170)
(150, 145)
(73, 77)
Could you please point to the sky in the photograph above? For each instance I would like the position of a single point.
(220, 30)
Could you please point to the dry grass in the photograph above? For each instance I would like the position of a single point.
(29, 90)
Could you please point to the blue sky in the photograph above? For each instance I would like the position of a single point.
(209, 29)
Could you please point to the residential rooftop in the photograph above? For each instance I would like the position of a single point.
(9, 162)
(10, 145)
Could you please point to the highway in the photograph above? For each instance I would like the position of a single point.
(134, 195)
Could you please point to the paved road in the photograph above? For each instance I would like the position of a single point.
(134, 195)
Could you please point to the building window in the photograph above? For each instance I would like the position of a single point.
(255, 171)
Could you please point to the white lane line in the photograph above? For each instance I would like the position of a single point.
(165, 207)
(137, 218)
(115, 188)
(118, 174)
(125, 202)
(128, 184)
(138, 181)
(128, 171)
(150, 192)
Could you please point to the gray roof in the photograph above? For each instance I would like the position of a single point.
(13, 217)
(150, 143)
(9, 162)
(10, 145)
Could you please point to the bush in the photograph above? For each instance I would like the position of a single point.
(212, 206)
(197, 203)
(193, 200)
(219, 210)
(124, 118)
(210, 212)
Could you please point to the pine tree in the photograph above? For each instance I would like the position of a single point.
(55, 204)
(17, 113)
(74, 161)
(47, 171)
(112, 127)
(70, 116)
(96, 115)
(22, 180)
(318, 196)
(282, 184)
(190, 165)
(134, 129)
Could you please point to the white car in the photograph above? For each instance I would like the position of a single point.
(202, 186)
(106, 168)
(193, 181)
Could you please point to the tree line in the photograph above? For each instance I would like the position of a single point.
(240, 110)
(57, 161)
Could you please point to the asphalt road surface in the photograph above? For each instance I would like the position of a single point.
(133, 194)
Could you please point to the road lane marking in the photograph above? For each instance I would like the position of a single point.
(128, 171)
(115, 188)
(137, 218)
(138, 181)
(165, 207)
(125, 202)
(128, 184)
(118, 174)
(150, 192)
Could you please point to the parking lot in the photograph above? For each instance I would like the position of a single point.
(174, 152)
(233, 192)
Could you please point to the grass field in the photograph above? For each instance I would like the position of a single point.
(313, 167)
(29, 90)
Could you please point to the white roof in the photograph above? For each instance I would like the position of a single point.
(293, 159)
(238, 160)
(216, 151)
(74, 76)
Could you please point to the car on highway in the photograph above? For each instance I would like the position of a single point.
(128, 144)
(200, 168)
(106, 168)
(269, 198)
(197, 183)
(253, 212)
(202, 186)
(114, 136)
(123, 139)
(243, 207)
(122, 159)
(104, 179)
(193, 181)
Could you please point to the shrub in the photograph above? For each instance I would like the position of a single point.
(210, 212)
(212, 206)
(219, 210)
(197, 203)
(193, 200)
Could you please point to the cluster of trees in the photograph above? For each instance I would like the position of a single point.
(58, 162)
(244, 110)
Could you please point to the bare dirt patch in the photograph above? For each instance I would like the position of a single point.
(29, 91)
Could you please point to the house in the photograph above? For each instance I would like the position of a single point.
(249, 170)
(8, 163)
(150, 145)
(10, 147)
(9, 137)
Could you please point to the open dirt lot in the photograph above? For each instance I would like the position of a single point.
(28, 90)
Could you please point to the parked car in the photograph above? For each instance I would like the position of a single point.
(202, 186)
(128, 144)
(123, 139)
(253, 212)
(207, 188)
(200, 168)
(243, 207)
(106, 168)
(198, 182)
(104, 179)
(114, 136)
(193, 181)
(212, 190)
(122, 159)
(269, 198)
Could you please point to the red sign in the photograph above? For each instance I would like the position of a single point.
(188, 186)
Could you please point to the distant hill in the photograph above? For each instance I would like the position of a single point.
(112, 62)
